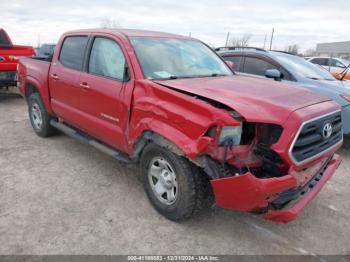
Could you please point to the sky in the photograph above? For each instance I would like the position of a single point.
(304, 23)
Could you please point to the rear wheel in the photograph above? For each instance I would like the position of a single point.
(174, 186)
(39, 118)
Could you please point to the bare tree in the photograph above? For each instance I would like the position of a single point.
(293, 49)
(109, 23)
(242, 41)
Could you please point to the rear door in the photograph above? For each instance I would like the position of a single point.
(105, 93)
(64, 78)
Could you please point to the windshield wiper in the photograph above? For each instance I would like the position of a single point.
(173, 77)
(343, 74)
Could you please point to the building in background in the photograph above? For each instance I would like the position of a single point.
(335, 49)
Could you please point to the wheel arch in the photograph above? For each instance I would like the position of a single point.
(209, 167)
(33, 86)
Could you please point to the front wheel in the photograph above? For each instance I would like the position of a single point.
(39, 118)
(174, 186)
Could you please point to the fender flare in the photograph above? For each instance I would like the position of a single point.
(43, 92)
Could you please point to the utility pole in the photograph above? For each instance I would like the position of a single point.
(227, 38)
(265, 41)
(190, 35)
(271, 40)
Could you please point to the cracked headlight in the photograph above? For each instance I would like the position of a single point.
(230, 135)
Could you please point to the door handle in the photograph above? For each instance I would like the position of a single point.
(54, 76)
(84, 85)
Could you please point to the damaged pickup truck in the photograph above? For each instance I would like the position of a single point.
(199, 132)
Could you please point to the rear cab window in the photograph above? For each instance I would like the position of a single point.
(4, 41)
(72, 52)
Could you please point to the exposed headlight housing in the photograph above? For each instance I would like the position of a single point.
(231, 135)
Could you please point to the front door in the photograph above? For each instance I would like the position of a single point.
(105, 94)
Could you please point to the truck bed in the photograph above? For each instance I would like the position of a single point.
(34, 69)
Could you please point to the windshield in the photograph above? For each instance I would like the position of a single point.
(303, 68)
(166, 58)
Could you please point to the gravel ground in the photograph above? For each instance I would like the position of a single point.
(58, 196)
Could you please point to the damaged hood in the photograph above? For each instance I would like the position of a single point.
(257, 100)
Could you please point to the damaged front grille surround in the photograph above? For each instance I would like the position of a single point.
(316, 136)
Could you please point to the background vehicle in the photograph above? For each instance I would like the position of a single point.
(171, 104)
(345, 75)
(9, 55)
(294, 70)
(45, 51)
(332, 64)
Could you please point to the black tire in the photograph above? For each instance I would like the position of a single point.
(45, 129)
(193, 188)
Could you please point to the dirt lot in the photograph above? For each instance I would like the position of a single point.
(58, 196)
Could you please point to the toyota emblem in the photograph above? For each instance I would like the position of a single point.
(327, 130)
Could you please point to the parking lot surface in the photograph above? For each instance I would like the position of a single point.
(58, 196)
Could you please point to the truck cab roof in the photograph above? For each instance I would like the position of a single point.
(129, 33)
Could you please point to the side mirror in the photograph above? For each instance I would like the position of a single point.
(273, 73)
(230, 64)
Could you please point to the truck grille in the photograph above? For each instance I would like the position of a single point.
(316, 136)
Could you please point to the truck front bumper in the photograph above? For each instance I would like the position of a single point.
(251, 194)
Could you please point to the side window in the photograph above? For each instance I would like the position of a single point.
(256, 66)
(286, 75)
(336, 63)
(236, 60)
(107, 59)
(72, 52)
(320, 61)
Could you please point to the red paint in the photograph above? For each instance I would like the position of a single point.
(172, 109)
(11, 54)
(248, 193)
(291, 213)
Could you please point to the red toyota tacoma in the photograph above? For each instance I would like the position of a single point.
(199, 132)
(9, 55)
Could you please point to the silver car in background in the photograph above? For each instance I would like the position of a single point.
(293, 69)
